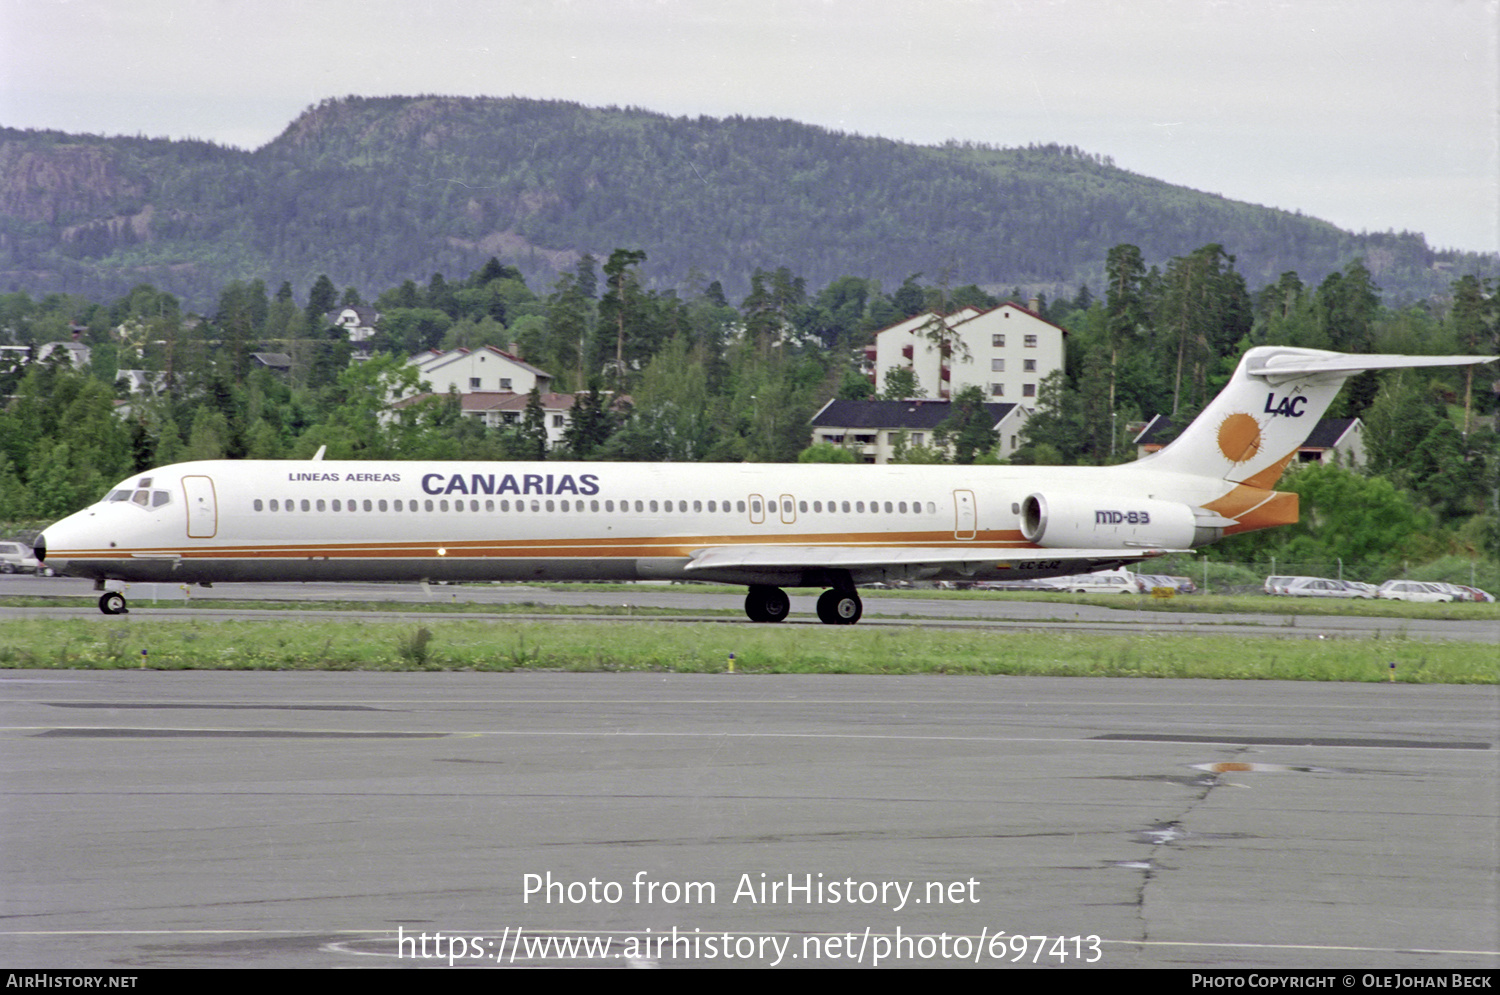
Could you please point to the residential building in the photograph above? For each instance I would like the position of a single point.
(356, 320)
(874, 430)
(503, 409)
(493, 386)
(1005, 352)
(483, 369)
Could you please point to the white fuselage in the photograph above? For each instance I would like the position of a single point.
(269, 521)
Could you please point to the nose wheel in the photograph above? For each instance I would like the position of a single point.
(113, 603)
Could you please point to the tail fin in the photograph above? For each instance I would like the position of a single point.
(1253, 429)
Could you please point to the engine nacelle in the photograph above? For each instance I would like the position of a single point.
(1076, 521)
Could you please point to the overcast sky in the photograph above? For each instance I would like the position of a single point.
(1371, 114)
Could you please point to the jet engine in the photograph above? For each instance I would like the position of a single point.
(1102, 521)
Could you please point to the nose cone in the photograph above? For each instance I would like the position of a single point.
(41, 548)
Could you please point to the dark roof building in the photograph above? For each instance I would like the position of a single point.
(874, 429)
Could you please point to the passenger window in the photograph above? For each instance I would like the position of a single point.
(306, 505)
(275, 505)
(258, 506)
(321, 505)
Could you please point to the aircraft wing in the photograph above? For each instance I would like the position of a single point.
(964, 559)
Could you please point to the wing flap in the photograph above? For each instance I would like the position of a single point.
(875, 557)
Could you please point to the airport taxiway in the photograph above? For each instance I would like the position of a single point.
(165, 819)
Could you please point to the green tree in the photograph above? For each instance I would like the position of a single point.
(969, 427)
(622, 309)
(534, 426)
(590, 423)
(1125, 310)
(825, 452)
(901, 384)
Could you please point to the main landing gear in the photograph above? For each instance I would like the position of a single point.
(837, 607)
(767, 604)
(840, 606)
(113, 603)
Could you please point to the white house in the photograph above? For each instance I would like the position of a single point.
(483, 369)
(77, 351)
(874, 429)
(1005, 351)
(492, 385)
(499, 409)
(357, 321)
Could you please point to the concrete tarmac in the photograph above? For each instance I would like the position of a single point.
(201, 819)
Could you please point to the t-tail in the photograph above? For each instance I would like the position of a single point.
(1253, 429)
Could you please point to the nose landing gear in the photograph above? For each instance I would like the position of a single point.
(113, 603)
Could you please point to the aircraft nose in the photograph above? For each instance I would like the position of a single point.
(40, 549)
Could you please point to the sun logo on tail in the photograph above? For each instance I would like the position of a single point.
(1239, 438)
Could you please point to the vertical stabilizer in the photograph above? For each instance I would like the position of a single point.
(1253, 429)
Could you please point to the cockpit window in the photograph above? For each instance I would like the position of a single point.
(143, 497)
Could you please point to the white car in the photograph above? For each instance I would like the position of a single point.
(1323, 587)
(1414, 590)
(17, 558)
(1109, 582)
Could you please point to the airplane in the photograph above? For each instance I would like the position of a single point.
(766, 526)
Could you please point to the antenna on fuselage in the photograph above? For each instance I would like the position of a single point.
(319, 454)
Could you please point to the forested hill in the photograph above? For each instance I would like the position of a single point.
(373, 191)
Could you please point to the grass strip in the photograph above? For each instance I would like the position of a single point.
(450, 643)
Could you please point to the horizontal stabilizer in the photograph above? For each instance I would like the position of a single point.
(1278, 366)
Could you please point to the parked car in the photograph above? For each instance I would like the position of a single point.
(1146, 583)
(1414, 590)
(18, 558)
(1104, 582)
(1478, 595)
(1322, 587)
(1277, 583)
